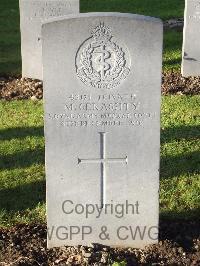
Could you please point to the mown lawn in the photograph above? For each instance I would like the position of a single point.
(163, 9)
(10, 57)
(22, 177)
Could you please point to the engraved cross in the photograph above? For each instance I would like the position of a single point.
(103, 160)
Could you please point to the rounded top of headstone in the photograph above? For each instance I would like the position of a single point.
(106, 14)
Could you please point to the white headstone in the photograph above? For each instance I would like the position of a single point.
(32, 14)
(102, 128)
(191, 39)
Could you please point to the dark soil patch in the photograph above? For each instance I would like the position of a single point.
(12, 88)
(174, 83)
(26, 245)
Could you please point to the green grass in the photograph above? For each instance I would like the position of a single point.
(163, 9)
(180, 157)
(10, 57)
(22, 177)
(172, 50)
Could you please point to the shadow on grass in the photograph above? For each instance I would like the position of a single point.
(172, 62)
(21, 132)
(181, 132)
(167, 135)
(170, 165)
(22, 159)
(20, 198)
(173, 40)
(11, 67)
(188, 163)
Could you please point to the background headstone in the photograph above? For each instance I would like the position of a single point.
(102, 128)
(32, 14)
(191, 39)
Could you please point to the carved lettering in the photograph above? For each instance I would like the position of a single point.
(196, 14)
(49, 9)
(87, 110)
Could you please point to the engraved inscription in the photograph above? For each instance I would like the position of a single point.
(196, 14)
(101, 62)
(103, 160)
(111, 110)
(43, 9)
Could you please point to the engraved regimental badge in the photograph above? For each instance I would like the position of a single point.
(100, 61)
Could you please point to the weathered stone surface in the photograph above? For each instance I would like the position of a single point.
(191, 39)
(32, 14)
(102, 128)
